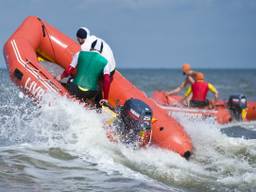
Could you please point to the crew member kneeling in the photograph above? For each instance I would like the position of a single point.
(199, 89)
(91, 66)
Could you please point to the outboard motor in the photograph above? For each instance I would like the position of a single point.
(236, 104)
(136, 117)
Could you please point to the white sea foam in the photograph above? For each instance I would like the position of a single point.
(60, 123)
(223, 157)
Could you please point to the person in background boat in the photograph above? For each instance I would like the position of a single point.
(190, 79)
(199, 90)
(91, 65)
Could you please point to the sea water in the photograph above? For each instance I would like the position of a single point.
(58, 146)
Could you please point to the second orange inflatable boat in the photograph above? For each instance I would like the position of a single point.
(35, 37)
(222, 112)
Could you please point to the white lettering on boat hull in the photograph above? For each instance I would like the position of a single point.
(32, 87)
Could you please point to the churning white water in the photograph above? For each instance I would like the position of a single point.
(57, 145)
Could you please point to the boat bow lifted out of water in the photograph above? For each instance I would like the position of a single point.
(35, 37)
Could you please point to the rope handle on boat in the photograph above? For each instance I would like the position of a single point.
(43, 26)
(45, 33)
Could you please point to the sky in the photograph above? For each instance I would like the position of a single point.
(151, 33)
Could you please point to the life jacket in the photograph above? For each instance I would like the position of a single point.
(200, 90)
(89, 70)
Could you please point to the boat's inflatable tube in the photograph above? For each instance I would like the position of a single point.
(220, 112)
(37, 38)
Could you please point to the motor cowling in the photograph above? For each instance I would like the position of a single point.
(137, 122)
(236, 104)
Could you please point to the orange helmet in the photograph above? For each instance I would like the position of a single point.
(186, 67)
(199, 76)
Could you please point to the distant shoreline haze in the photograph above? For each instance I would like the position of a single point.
(152, 33)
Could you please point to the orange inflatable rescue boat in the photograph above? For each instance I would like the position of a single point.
(36, 38)
(222, 112)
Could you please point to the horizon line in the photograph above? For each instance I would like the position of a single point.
(177, 68)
